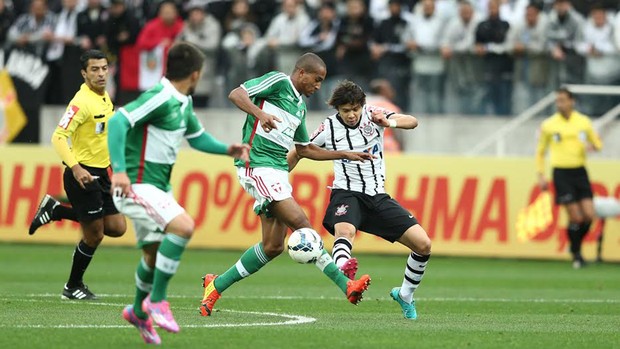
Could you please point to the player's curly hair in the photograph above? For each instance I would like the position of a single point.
(347, 92)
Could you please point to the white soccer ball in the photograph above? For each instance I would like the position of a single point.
(305, 245)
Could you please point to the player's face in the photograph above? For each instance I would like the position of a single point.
(311, 81)
(96, 74)
(350, 113)
(563, 103)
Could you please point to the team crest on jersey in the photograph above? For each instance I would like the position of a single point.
(341, 210)
(318, 131)
(367, 129)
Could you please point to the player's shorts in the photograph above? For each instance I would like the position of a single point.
(266, 185)
(379, 215)
(571, 185)
(95, 201)
(150, 209)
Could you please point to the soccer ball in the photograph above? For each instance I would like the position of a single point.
(305, 245)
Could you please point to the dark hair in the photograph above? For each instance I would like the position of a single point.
(183, 59)
(310, 63)
(565, 91)
(347, 92)
(91, 54)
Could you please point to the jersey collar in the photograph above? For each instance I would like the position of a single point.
(178, 95)
(297, 94)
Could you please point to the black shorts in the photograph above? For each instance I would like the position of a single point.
(95, 201)
(379, 215)
(571, 185)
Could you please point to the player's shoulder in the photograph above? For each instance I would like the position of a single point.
(550, 120)
(581, 117)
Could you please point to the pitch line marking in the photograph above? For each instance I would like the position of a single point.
(424, 299)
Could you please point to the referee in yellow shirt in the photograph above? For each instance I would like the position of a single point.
(87, 173)
(568, 134)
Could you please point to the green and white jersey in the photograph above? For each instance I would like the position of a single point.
(160, 118)
(275, 94)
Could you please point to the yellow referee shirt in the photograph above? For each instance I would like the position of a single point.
(566, 139)
(85, 123)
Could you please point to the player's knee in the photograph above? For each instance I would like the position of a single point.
(273, 249)
(93, 240)
(424, 247)
(348, 234)
(115, 231)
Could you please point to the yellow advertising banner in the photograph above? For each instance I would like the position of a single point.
(14, 117)
(469, 206)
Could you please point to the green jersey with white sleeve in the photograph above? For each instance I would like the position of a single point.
(160, 118)
(275, 94)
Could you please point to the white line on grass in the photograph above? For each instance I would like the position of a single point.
(424, 299)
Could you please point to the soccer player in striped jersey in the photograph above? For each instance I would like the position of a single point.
(86, 177)
(144, 140)
(275, 121)
(358, 200)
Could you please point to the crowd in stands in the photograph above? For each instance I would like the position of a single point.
(440, 56)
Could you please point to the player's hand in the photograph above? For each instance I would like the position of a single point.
(358, 156)
(121, 185)
(268, 122)
(378, 117)
(82, 176)
(542, 183)
(239, 151)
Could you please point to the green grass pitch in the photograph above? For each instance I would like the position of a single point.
(462, 303)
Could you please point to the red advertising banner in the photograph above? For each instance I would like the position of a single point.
(469, 206)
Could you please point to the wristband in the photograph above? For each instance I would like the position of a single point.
(392, 123)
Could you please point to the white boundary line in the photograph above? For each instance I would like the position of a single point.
(424, 299)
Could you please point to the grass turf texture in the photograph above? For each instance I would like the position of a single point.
(462, 303)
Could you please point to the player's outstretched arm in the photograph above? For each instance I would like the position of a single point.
(117, 139)
(241, 99)
(314, 152)
(209, 144)
(403, 121)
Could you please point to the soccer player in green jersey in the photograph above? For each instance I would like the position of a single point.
(275, 121)
(144, 139)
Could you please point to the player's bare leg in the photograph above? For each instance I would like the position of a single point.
(114, 225)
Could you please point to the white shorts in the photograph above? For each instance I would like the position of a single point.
(150, 209)
(265, 184)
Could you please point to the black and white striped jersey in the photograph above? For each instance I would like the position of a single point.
(365, 177)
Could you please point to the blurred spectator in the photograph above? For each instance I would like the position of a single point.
(382, 95)
(564, 28)
(388, 49)
(445, 9)
(204, 31)
(33, 31)
(463, 81)
(423, 39)
(153, 43)
(602, 57)
(122, 31)
(319, 37)
(238, 16)
(63, 55)
(513, 11)
(265, 11)
(352, 50)
(283, 35)
(527, 41)
(585, 6)
(6, 19)
(91, 24)
(491, 44)
(246, 54)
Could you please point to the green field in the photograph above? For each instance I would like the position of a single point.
(462, 303)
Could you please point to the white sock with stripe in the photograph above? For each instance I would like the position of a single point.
(416, 264)
(341, 252)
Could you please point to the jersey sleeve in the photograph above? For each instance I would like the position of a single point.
(147, 108)
(593, 137)
(543, 142)
(319, 135)
(75, 115)
(301, 134)
(266, 85)
(194, 127)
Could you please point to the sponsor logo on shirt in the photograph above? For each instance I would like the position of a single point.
(68, 116)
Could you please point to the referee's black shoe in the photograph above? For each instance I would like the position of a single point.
(80, 293)
(44, 213)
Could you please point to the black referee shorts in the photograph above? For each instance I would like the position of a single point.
(571, 185)
(95, 201)
(379, 215)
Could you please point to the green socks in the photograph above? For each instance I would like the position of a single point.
(144, 285)
(326, 264)
(168, 257)
(250, 262)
